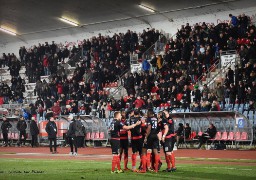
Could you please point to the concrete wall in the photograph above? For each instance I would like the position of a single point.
(167, 26)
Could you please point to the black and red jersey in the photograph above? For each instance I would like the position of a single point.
(154, 125)
(123, 132)
(170, 123)
(136, 131)
(143, 129)
(115, 128)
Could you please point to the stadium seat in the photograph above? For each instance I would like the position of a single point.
(193, 135)
(240, 110)
(95, 135)
(9, 135)
(231, 136)
(88, 136)
(102, 136)
(182, 110)
(250, 115)
(244, 136)
(16, 136)
(246, 106)
(236, 107)
(237, 136)
(217, 136)
(245, 113)
(224, 136)
(200, 133)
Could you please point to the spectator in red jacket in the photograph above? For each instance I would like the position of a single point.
(56, 110)
(46, 65)
(139, 103)
(59, 89)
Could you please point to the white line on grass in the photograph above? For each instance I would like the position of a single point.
(215, 167)
(47, 161)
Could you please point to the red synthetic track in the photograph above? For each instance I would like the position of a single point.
(101, 154)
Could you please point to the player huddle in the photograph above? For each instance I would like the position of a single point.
(146, 132)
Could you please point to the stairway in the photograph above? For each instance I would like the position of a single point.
(218, 70)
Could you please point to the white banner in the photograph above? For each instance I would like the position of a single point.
(226, 59)
(136, 67)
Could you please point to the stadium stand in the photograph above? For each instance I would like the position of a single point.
(86, 78)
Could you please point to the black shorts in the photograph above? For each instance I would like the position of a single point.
(137, 145)
(152, 142)
(169, 144)
(115, 146)
(124, 144)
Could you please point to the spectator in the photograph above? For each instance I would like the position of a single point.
(195, 107)
(56, 110)
(220, 93)
(138, 103)
(234, 20)
(79, 132)
(145, 66)
(6, 125)
(208, 134)
(72, 138)
(34, 131)
(187, 131)
(180, 134)
(51, 129)
(22, 126)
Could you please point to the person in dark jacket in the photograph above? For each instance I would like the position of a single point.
(208, 134)
(22, 126)
(187, 131)
(49, 114)
(180, 134)
(34, 131)
(51, 129)
(80, 132)
(72, 135)
(6, 125)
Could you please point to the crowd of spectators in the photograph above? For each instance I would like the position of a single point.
(188, 57)
(102, 59)
(166, 81)
(12, 93)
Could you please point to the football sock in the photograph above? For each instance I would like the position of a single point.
(148, 159)
(134, 160)
(144, 162)
(173, 160)
(125, 161)
(157, 157)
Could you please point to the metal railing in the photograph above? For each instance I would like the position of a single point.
(222, 71)
(119, 79)
(74, 59)
(156, 47)
(216, 66)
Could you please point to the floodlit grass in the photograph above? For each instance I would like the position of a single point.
(66, 169)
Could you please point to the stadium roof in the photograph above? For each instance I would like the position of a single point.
(35, 19)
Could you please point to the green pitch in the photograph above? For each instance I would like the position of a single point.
(62, 169)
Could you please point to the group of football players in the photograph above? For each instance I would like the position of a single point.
(147, 132)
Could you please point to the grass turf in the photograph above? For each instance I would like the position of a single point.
(64, 169)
